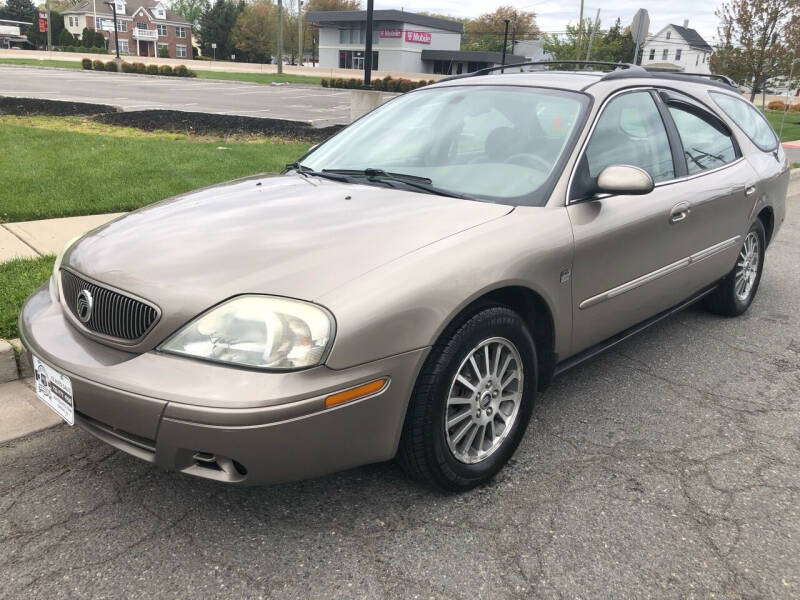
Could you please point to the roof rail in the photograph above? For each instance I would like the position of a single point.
(717, 80)
(487, 70)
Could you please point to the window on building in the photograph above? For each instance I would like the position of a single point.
(678, 54)
(705, 145)
(664, 54)
(180, 51)
(652, 53)
(123, 47)
(141, 25)
(162, 30)
(160, 46)
(122, 26)
(356, 33)
(354, 59)
(669, 34)
(443, 67)
(120, 7)
(180, 32)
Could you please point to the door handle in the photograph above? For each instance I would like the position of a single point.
(679, 212)
(749, 190)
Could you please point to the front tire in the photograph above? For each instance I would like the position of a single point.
(734, 294)
(471, 403)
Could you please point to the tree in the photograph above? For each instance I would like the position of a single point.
(755, 40)
(216, 26)
(323, 5)
(255, 31)
(614, 45)
(39, 38)
(18, 10)
(191, 10)
(487, 31)
(92, 39)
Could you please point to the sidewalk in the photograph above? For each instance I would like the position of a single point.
(29, 239)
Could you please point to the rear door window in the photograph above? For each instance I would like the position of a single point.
(748, 118)
(705, 145)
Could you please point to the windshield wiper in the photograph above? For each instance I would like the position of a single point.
(306, 171)
(414, 181)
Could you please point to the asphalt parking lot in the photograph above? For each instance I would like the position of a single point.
(313, 104)
(666, 468)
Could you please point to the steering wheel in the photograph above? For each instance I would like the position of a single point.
(523, 159)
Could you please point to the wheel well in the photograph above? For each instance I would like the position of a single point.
(767, 218)
(536, 314)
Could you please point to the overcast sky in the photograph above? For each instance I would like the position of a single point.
(553, 15)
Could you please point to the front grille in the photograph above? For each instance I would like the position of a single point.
(113, 314)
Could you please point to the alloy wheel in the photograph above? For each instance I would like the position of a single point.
(747, 267)
(484, 400)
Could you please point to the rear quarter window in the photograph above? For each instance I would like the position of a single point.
(748, 118)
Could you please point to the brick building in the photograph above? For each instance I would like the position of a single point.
(144, 26)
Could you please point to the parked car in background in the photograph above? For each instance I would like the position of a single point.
(409, 286)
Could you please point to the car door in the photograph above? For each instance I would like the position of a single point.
(719, 191)
(630, 254)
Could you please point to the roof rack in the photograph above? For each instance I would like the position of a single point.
(717, 80)
(487, 70)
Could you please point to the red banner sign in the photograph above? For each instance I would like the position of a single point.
(390, 33)
(42, 22)
(418, 37)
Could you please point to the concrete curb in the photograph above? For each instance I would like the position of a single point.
(15, 361)
(794, 174)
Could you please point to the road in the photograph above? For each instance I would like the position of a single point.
(316, 105)
(667, 468)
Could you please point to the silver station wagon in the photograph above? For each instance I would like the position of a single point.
(408, 287)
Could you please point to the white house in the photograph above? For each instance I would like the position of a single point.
(678, 48)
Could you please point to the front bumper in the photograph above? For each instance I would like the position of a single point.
(222, 423)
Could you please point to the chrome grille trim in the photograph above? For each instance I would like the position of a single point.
(116, 315)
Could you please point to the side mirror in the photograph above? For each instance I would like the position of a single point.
(624, 179)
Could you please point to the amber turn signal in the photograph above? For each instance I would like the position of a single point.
(356, 392)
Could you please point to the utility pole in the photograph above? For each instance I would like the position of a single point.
(580, 31)
(300, 31)
(591, 35)
(49, 28)
(114, 10)
(368, 45)
(505, 43)
(280, 37)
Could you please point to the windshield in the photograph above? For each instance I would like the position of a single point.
(498, 143)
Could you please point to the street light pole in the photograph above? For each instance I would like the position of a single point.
(300, 32)
(368, 45)
(505, 43)
(114, 11)
(280, 36)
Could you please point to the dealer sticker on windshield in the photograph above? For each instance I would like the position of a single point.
(55, 390)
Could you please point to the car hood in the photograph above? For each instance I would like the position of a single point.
(284, 235)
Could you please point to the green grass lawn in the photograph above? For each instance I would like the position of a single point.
(791, 127)
(64, 64)
(18, 279)
(264, 78)
(65, 166)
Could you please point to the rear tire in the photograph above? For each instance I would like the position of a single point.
(470, 381)
(734, 294)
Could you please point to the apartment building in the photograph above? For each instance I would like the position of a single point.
(144, 27)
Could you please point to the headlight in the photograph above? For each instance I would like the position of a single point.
(263, 332)
(55, 286)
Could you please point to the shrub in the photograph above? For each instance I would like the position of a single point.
(181, 71)
(128, 67)
(163, 52)
(141, 68)
(152, 69)
(98, 65)
(324, 82)
(86, 63)
(165, 70)
(377, 85)
(430, 82)
(111, 66)
(776, 105)
(795, 107)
